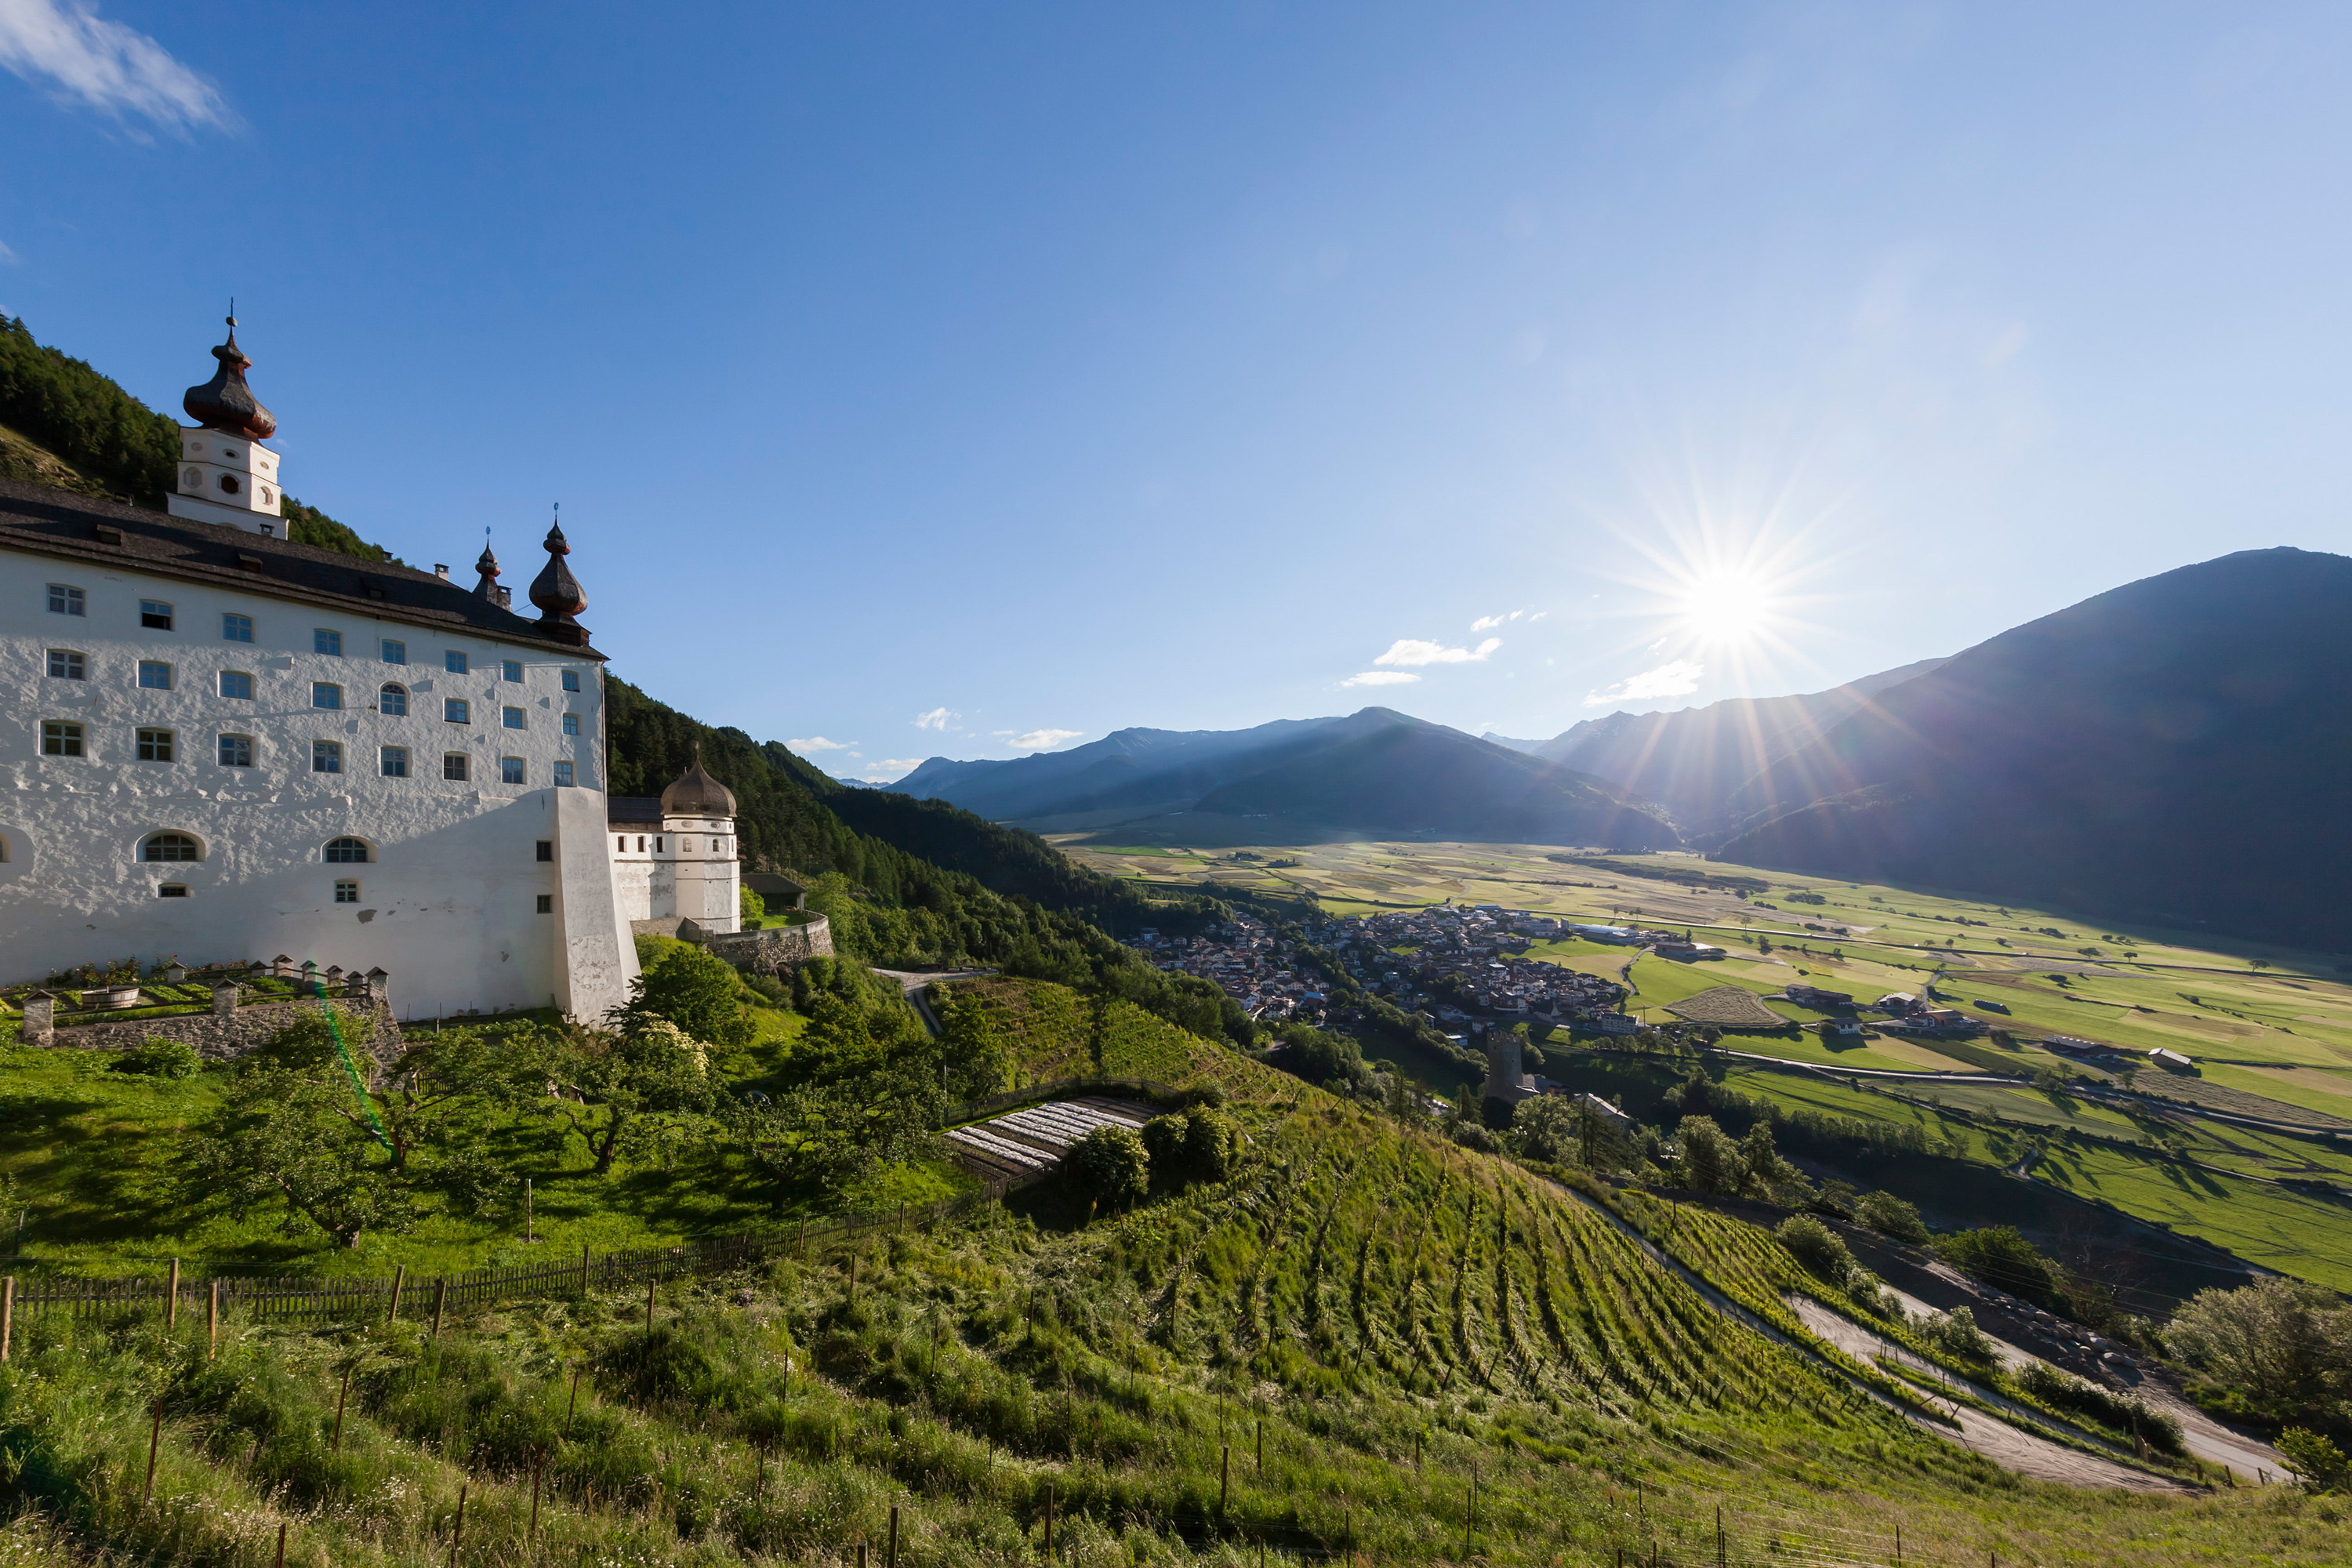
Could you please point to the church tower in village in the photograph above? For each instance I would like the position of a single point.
(226, 475)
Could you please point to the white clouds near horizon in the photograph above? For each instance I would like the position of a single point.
(106, 65)
(1414, 651)
(1041, 740)
(1676, 678)
(1381, 677)
(819, 743)
(937, 719)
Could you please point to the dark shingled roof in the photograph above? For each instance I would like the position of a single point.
(59, 524)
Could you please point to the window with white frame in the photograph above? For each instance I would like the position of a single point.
(237, 629)
(323, 640)
(456, 767)
(395, 651)
(65, 664)
(510, 670)
(457, 711)
(326, 756)
(510, 770)
(67, 600)
(154, 745)
(454, 662)
(347, 891)
(571, 680)
(563, 776)
(393, 700)
(393, 760)
(237, 685)
(173, 890)
(155, 615)
(61, 739)
(236, 750)
(346, 851)
(326, 694)
(546, 904)
(154, 675)
(511, 718)
(571, 723)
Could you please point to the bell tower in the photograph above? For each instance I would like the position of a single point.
(225, 474)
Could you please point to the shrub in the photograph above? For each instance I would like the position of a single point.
(2061, 1391)
(2284, 1344)
(1709, 1159)
(1111, 1165)
(161, 1058)
(1817, 1247)
(1955, 1334)
(2319, 1462)
(1474, 1136)
(1211, 1141)
(2007, 1261)
(1890, 1215)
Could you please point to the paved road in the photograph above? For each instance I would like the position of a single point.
(912, 983)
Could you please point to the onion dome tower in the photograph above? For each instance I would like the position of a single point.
(697, 793)
(489, 567)
(226, 475)
(558, 595)
(698, 822)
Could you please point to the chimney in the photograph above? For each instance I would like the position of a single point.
(441, 570)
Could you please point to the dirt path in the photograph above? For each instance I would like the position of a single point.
(1996, 1439)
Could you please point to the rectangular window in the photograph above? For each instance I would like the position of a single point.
(546, 851)
(324, 641)
(326, 757)
(154, 675)
(60, 740)
(173, 890)
(547, 903)
(66, 601)
(154, 745)
(155, 614)
(67, 665)
(325, 694)
(571, 680)
(236, 684)
(395, 761)
(571, 723)
(453, 711)
(454, 662)
(511, 718)
(236, 750)
(237, 629)
(347, 892)
(454, 767)
(563, 776)
(511, 669)
(510, 770)
(395, 651)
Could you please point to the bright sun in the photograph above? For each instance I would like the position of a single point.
(1726, 606)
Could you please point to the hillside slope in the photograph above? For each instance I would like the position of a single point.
(2177, 750)
(1693, 759)
(1130, 767)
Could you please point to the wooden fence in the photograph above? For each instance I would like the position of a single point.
(301, 1300)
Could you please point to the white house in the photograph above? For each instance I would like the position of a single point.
(227, 746)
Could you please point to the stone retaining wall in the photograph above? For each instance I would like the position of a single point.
(776, 948)
(368, 1025)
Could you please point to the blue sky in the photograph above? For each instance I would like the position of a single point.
(966, 379)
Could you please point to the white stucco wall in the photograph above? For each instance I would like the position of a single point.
(687, 867)
(599, 955)
(448, 903)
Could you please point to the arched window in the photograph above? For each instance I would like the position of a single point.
(169, 846)
(347, 852)
(393, 700)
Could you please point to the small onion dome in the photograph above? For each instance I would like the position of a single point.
(489, 567)
(555, 590)
(225, 403)
(697, 793)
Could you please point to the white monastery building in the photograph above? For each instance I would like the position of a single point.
(225, 746)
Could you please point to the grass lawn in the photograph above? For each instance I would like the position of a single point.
(2306, 1237)
(1881, 1053)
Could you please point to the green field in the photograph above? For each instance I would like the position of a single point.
(2306, 1237)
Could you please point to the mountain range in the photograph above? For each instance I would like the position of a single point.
(1376, 771)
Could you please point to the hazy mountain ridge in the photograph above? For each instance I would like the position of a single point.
(1377, 769)
(2178, 748)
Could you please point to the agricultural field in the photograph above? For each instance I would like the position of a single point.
(2310, 1238)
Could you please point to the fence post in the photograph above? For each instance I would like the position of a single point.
(7, 1313)
(1224, 1478)
(530, 1233)
(281, 1543)
(571, 1409)
(893, 1560)
(336, 1445)
(1049, 1521)
(212, 1322)
(154, 1441)
(537, 1473)
(583, 1268)
(399, 1278)
(649, 1307)
(171, 1308)
(440, 1300)
(1718, 1535)
(459, 1537)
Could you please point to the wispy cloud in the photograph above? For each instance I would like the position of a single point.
(106, 65)
(1413, 651)
(1040, 739)
(897, 764)
(6, 254)
(1488, 623)
(1381, 677)
(937, 719)
(1673, 678)
(814, 742)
